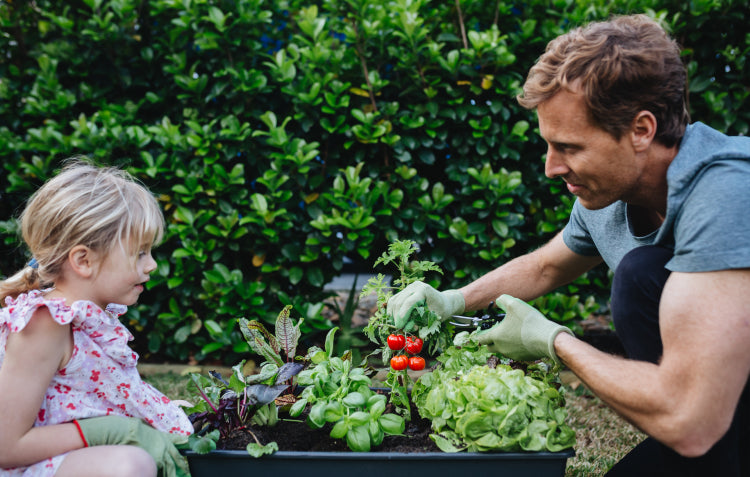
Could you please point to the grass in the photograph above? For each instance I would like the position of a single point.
(170, 383)
(602, 436)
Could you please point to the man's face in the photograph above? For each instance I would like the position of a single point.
(597, 168)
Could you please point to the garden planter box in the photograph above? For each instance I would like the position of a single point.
(378, 464)
(340, 409)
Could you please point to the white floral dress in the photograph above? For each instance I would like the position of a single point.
(99, 379)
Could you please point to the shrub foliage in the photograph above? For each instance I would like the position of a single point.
(285, 138)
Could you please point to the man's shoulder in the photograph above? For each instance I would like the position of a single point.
(703, 147)
(704, 140)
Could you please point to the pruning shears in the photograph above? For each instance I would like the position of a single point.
(485, 322)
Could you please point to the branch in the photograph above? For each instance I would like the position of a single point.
(461, 24)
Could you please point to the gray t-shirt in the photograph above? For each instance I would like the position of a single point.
(708, 210)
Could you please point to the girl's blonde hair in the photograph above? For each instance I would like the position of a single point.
(99, 207)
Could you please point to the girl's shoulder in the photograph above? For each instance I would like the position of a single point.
(17, 312)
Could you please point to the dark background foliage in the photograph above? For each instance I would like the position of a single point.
(288, 141)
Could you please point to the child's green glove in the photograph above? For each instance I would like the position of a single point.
(443, 304)
(117, 430)
(524, 335)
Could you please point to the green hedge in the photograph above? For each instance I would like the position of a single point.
(286, 137)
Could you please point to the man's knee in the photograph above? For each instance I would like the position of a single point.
(640, 278)
(636, 291)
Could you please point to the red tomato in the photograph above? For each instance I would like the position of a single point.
(396, 342)
(414, 346)
(416, 363)
(400, 362)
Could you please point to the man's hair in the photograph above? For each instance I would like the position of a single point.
(622, 66)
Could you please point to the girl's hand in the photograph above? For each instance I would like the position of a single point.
(116, 430)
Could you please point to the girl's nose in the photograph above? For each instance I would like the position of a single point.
(150, 264)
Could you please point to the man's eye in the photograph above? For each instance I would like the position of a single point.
(566, 149)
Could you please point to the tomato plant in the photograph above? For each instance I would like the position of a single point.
(424, 326)
(416, 363)
(399, 362)
(396, 342)
(414, 345)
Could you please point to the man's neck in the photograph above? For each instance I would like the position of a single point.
(643, 220)
(647, 208)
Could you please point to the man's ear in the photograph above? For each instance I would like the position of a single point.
(643, 130)
(82, 261)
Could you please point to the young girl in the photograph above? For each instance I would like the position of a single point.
(63, 353)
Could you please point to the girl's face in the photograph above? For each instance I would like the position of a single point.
(121, 276)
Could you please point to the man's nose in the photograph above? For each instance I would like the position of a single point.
(554, 166)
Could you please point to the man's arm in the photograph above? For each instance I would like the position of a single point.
(529, 276)
(688, 399)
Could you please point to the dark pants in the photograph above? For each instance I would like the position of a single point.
(636, 291)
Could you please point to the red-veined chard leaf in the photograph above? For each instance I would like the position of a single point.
(261, 341)
(287, 333)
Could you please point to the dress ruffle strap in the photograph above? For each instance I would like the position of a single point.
(19, 311)
(101, 325)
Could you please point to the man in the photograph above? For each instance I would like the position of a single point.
(660, 202)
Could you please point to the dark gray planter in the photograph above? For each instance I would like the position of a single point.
(380, 464)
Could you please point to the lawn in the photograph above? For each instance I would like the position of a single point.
(602, 436)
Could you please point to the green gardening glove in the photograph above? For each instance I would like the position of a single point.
(117, 430)
(524, 335)
(444, 304)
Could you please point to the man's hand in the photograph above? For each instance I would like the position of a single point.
(116, 430)
(444, 304)
(524, 335)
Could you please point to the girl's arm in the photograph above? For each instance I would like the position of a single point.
(32, 357)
